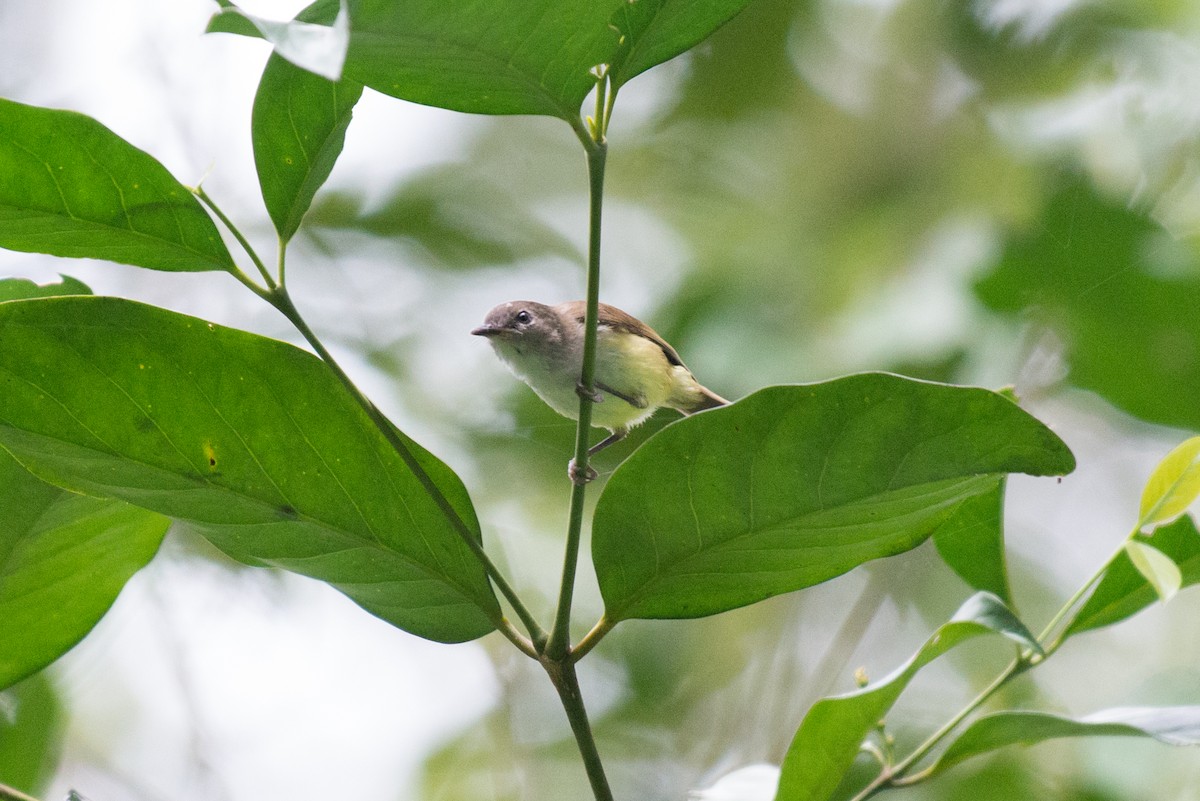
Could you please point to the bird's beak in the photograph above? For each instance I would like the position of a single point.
(487, 331)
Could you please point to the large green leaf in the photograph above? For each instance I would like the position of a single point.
(252, 441)
(299, 125)
(829, 738)
(509, 56)
(315, 41)
(1124, 591)
(71, 187)
(63, 560)
(1170, 725)
(971, 542)
(1119, 292)
(23, 289)
(797, 484)
(654, 31)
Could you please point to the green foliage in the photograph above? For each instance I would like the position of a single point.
(1124, 591)
(513, 56)
(275, 457)
(63, 560)
(1170, 725)
(31, 723)
(85, 192)
(252, 441)
(299, 126)
(795, 485)
(1173, 486)
(971, 542)
(1121, 295)
(834, 729)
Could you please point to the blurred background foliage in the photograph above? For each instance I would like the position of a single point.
(993, 192)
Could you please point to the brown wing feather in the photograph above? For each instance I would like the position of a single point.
(613, 317)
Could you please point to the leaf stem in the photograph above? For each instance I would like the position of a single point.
(13, 794)
(245, 243)
(603, 626)
(277, 295)
(560, 635)
(895, 775)
(281, 300)
(1057, 622)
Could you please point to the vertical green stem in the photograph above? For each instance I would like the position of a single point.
(560, 635)
(562, 674)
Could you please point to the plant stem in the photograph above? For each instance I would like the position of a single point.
(603, 626)
(897, 775)
(562, 674)
(560, 634)
(280, 299)
(12, 794)
(233, 229)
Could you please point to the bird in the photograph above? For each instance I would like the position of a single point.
(637, 372)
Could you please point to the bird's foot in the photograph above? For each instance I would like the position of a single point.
(593, 395)
(578, 476)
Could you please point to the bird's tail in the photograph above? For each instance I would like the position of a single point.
(705, 398)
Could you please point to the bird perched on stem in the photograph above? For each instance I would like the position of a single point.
(636, 372)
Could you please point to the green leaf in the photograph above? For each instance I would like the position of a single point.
(1120, 293)
(829, 738)
(505, 56)
(23, 289)
(1124, 591)
(252, 441)
(454, 218)
(31, 725)
(1156, 567)
(795, 485)
(971, 542)
(317, 45)
(1173, 486)
(299, 125)
(71, 187)
(1171, 725)
(654, 31)
(63, 560)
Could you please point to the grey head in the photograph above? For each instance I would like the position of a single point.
(525, 326)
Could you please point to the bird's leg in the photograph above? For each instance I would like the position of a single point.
(584, 476)
(594, 395)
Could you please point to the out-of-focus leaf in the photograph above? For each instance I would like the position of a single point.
(1121, 294)
(71, 187)
(298, 125)
(31, 724)
(457, 219)
(971, 542)
(252, 441)
(63, 560)
(23, 289)
(1124, 591)
(829, 738)
(797, 484)
(1173, 486)
(1156, 567)
(315, 41)
(1178, 725)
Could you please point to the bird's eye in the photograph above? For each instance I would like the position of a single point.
(523, 317)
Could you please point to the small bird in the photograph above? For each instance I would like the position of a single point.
(636, 374)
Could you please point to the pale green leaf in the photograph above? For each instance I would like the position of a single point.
(1156, 567)
(1173, 486)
